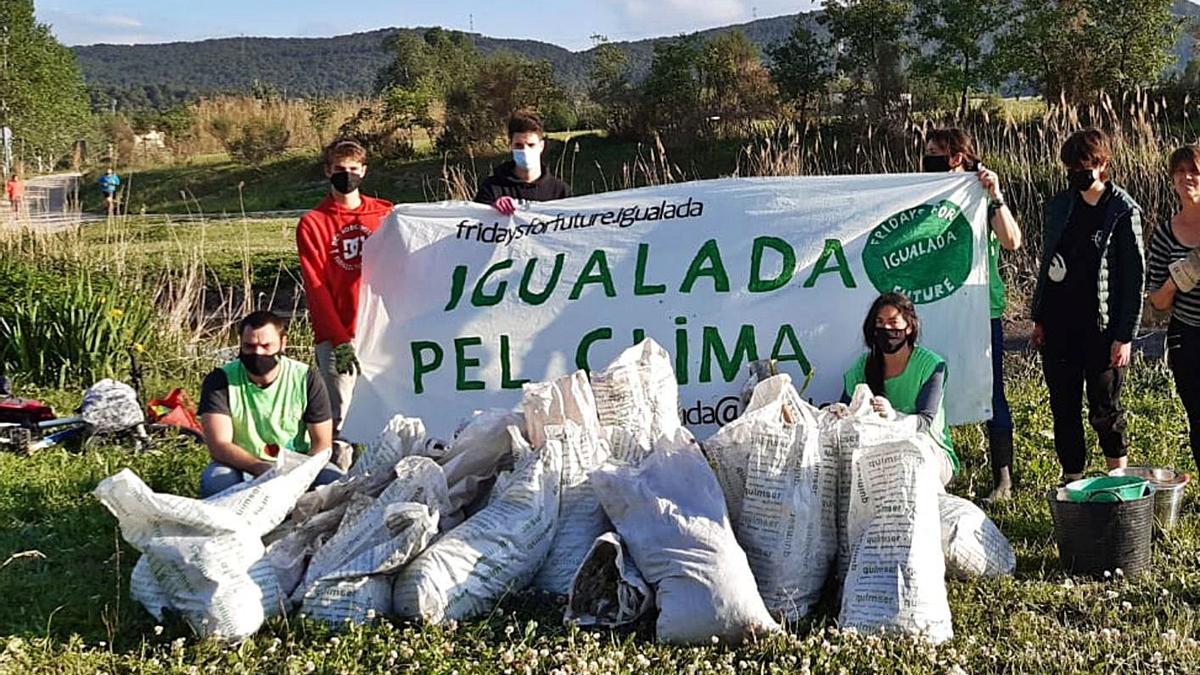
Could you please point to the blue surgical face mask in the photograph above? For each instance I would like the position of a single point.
(527, 158)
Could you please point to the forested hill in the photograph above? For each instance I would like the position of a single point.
(160, 74)
(346, 64)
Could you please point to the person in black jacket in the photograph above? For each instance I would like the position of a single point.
(1088, 302)
(522, 178)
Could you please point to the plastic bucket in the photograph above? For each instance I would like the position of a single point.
(1108, 489)
(1094, 537)
(1168, 491)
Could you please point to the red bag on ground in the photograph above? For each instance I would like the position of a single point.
(175, 409)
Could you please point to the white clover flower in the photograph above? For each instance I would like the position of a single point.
(1126, 605)
(371, 614)
(714, 639)
(309, 667)
(1119, 572)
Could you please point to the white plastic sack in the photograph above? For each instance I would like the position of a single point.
(205, 559)
(781, 494)
(289, 554)
(366, 540)
(626, 447)
(401, 437)
(564, 411)
(481, 448)
(973, 545)
(670, 513)
(639, 393)
(496, 551)
(608, 589)
(362, 585)
(896, 578)
(840, 437)
(325, 497)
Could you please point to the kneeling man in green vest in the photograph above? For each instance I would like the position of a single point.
(259, 404)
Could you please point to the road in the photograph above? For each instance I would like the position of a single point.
(52, 204)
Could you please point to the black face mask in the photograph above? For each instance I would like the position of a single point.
(935, 163)
(345, 182)
(890, 340)
(259, 364)
(1080, 179)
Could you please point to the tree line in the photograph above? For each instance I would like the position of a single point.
(856, 59)
(861, 59)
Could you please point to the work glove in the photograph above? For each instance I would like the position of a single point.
(1185, 272)
(345, 361)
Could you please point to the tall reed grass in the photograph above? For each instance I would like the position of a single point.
(1024, 151)
(293, 114)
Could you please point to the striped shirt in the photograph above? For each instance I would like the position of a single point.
(1164, 250)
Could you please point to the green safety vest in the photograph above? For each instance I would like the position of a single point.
(902, 391)
(995, 282)
(271, 415)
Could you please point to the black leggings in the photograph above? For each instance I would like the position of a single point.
(1071, 366)
(1183, 356)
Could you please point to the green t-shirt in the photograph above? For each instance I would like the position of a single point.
(995, 282)
(902, 392)
(272, 415)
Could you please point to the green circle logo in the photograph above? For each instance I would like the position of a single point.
(924, 252)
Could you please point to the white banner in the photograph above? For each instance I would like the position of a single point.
(460, 305)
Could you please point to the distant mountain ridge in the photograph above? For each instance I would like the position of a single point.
(347, 64)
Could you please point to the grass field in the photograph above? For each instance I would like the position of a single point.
(64, 569)
(68, 608)
(213, 184)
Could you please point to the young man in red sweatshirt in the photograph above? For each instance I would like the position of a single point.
(330, 238)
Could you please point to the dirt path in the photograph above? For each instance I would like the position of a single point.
(51, 203)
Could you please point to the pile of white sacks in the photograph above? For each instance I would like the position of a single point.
(592, 490)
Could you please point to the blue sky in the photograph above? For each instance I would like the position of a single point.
(568, 23)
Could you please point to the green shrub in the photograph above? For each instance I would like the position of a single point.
(56, 329)
(259, 141)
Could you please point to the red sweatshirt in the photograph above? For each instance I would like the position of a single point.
(330, 238)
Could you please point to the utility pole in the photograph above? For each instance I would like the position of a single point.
(6, 135)
(471, 22)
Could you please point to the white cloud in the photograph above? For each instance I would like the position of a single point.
(118, 22)
(681, 13)
(645, 18)
(84, 28)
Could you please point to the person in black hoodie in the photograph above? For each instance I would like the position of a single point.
(522, 178)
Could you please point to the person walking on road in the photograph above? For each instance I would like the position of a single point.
(15, 189)
(109, 183)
